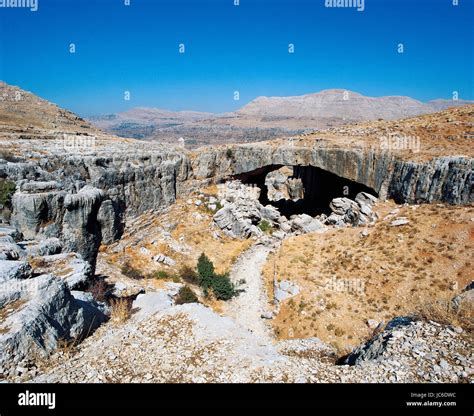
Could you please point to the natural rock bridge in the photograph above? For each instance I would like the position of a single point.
(325, 170)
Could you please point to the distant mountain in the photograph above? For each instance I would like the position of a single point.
(343, 104)
(265, 117)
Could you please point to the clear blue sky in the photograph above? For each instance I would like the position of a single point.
(135, 48)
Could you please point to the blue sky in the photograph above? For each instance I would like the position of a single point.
(233, 48)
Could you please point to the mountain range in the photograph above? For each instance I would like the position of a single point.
(265, 117)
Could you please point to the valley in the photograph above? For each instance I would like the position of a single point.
(320, 257)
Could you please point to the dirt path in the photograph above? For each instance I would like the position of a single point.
(246, 309)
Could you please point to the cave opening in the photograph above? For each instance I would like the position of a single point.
(301, 189)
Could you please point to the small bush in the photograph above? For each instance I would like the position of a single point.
(131, 272)
(205, 269)
(98, 290)
(229, 154)
(188, 275)
(7, 189)
(219, 284)
(160, 274)
(186, 295)
(265, 226)
(222, 287)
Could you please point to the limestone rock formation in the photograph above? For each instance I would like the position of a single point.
(36, 314)
(13, 270)
(70, 267)
(348, 212)
(306, 224)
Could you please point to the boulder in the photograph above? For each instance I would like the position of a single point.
(161, 258)
(284, 290)
(9, 249)
(305, 224)
(270, 213)
(375, 347)
(7, 230)
(44, 312)
(365, 199)
(151, 303)
(70, 267)
(341, 205)
(124, 290)
(399, 221)
(10, 269)
(239, 219)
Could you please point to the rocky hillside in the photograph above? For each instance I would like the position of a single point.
(23, 110)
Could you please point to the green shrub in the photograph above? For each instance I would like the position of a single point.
(265, 226)
(160, 274)
(205, 269)
(219, 284)
(186, 295)
(131, 272)
(222, 287)
(229, 154)
(7, 189)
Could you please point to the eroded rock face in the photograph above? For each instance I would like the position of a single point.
(443, 179)
(37, 313)
(83, 199)
(12, 270)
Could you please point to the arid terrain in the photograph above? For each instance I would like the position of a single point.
(264, 118)
(339, 255)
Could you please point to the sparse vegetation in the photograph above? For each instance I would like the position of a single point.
(265, 226)
(7, 189)
(186, 295)
(388, 276)
(443, 312)
(121, 310)
(98, 289)
(188, 275)
(219, 284)
(132, 272)
(160, 274)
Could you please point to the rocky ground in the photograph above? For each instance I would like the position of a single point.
(191, 343)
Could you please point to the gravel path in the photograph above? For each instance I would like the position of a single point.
(246, 309)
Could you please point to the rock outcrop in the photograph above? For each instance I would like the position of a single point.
(348, 212)
(442, 179)
(84, 199)
(36, 314)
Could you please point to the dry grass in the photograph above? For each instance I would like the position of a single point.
(121, 310)
(398, 269)
(67, 347)
(442, 311)
(440, 134)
